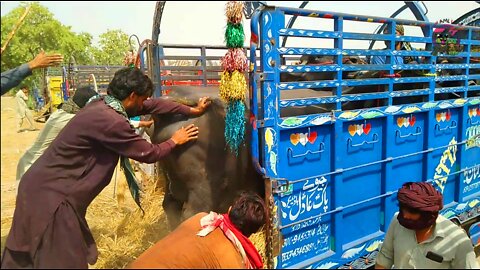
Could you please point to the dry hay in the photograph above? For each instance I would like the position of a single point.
(120, 230)
(6, 224)
(258, 240)
(117, 224)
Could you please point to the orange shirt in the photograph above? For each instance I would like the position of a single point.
(182, 248)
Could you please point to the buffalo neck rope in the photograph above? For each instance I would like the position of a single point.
(132, 182)
(251, 257)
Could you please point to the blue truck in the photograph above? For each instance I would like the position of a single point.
(333, 175)
(335, 191)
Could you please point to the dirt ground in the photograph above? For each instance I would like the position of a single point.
(13, 146)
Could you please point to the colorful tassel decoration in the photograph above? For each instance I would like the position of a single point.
(234, 12)
(234, 36)
(235, 59)
(233, 85)
(235, 125)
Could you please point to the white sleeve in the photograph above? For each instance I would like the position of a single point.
(135, 123)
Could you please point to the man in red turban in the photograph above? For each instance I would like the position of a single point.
(419, 198)
(211, 241)
(421, 238)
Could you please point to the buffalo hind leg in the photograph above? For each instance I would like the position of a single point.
(173, 210)
(171, 205)
(199, 200)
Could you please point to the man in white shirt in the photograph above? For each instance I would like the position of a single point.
(418, 237)
(22, 109)
(53, 126)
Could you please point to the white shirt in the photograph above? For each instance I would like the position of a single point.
(400, 248)
(53, 126)
(21, 105)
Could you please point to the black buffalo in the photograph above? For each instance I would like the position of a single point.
(202, 175)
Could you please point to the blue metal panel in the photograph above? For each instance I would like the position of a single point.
(157, 52)
(325, 68)
(474, 233)
(302, 147)
(253, 90)
(304, 239)
(470, 179)
(445, 132)
(313, 51)
(362, 145)
(407, 131)
(270, 58)
(334, 83)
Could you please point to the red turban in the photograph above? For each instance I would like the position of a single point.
(420, 196)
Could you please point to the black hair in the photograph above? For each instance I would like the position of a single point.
(128, 80)
(248, 212)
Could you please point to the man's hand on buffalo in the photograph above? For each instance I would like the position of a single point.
(202, 106)
(145, 124)
(185, 134)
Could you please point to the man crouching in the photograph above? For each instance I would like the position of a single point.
(211, 240)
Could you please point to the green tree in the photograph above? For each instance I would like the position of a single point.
(40, 30)
(113, 45)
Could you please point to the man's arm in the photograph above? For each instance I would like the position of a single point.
(43, 60)
(135, 123)
(377, 60)
(24, 96)
(145, 123)
(202, 106)
(14, 77)
(141, 123)
(117, 135)
(385, 255)
(161, 106)
(465, 255)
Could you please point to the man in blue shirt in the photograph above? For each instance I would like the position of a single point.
(398, 60)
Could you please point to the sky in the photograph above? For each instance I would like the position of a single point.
(203, 23)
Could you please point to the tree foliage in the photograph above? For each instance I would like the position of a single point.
(41, 30)
(113, 45)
